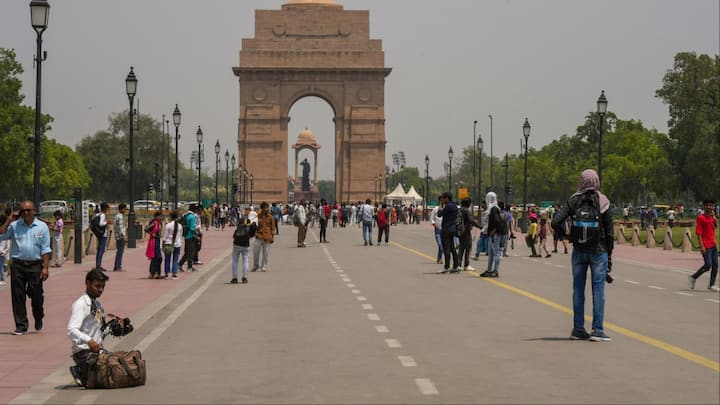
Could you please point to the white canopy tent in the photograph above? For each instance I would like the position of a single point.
(397, 195)
(412, 194)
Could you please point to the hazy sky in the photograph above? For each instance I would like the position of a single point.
(453, 62)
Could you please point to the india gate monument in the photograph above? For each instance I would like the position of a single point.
(312, 48)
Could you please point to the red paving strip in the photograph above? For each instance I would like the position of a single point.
(26, 360)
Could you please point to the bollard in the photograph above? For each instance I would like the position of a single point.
(620, 240)
(110, 245)
(687, 242)
(635, 236)
(90, 247)
(651, 237)
(69, 247)
(668, 243)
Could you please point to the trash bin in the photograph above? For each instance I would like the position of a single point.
(138, 231)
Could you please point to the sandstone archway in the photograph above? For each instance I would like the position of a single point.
(312, 48)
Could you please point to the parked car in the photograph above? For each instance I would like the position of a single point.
(146, 205)
(51, 206)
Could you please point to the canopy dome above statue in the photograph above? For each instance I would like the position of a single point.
(306, 138)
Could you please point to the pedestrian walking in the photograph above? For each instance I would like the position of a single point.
(543, 237)
(436, 222)
(532, 235)
(264, 237)
(120, 230)
(558, 236)
(30, 257)
(496, 231)
(449, 212)
(241, 247)
(323, 215)
(103, 236)
(367, 215)
(705, 225)
(57, 239)
(172, 240)
(277, 216)
(383, 224)
(591, 234)
(153, 250)
(189, 228)
(300, 220)
(465, 226)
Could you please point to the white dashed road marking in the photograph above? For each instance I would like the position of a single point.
(654, 287)
(631, 282)
(684, 293)
(393, 343)
(374, 317)
(367, 307)
(382, 329)
(361, 298)
(356, 291)
(712, 300)
(426, 386)
(407, 361)
(351, 285)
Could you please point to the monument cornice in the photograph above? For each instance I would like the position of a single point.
(305, 74)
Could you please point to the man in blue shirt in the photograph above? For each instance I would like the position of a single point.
(189, 228)
(30, 256)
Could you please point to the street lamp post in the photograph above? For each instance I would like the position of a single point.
(526, 135)
(227, 177)
(602, 104)
(232, 166)
(199, 136)
(162, 162)
(450, 158)
(402, 171)
(427, 183)
(131, 90)
(245, 185)
(492, 184)
(176, 122)
(479, 184)
(474, 161)
(167, 183)
(39, 14)
(507, 201)
(217, 168)
(252, 187)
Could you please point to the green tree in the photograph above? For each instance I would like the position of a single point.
(691, 89)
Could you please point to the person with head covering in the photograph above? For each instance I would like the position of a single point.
(496, 231)
(591, 233)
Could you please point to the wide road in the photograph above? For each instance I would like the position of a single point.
(345, 323)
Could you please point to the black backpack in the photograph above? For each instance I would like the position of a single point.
(243, 233)
(585, 227)
(95, 228)
(183, 221)
(460, 224)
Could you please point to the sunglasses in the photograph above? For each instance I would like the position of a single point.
(26, 210)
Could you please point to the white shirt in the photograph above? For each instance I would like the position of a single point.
(198, 223)
(103, 222)
(367, 212)
(84, 326)
(434, 218)
(168, 234)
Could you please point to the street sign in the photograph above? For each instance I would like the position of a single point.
(463, 193)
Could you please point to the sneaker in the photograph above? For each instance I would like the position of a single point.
(263, 269)
(365, 244)
(166, 277)
(370, 243)
(476, 258)
(20, 332)
(2, 283)
(199, 263)
(443, 271)
(469, 268)
(244, 280)
(548, 255)
(691, 282)
(38, 325)
(714, 288)
(234, 281)
(439, 262)
(180, 269)
(579, 334)
(489, 274)
(254, 269)
(554, 251)
(599, 337)
(175, 277)
(77, 377)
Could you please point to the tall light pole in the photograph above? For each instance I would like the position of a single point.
(507, 201)
(176, 122)
(39, 14)
(602, 104)
(492, 170)
(131, 89)
(167, 184)
(427, 182)
(199, 136)
(526, 135)
(450, 157)
(232, 165)
(227, 177)
(217, 169)
(162, 162)
(479, 184)
(245, 185)
(252, 187)
(474, 160)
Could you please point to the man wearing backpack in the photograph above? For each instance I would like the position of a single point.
(189, 229)
(241, 246)
(591, 233)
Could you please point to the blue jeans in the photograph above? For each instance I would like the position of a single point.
(598, 263)
(504, 243)
(2, 268)
(236, 253)
(367, 231)
(710, 259)
(438, 240)
(119, 254)
(174, 257)
(102, 242)
(494, 253)
(480, 243)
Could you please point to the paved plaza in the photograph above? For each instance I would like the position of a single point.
(345, 323)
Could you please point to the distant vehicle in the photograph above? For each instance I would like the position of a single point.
(186, 204)
(146, 205)
(51, 206)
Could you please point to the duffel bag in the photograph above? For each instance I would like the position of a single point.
(116, 370)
